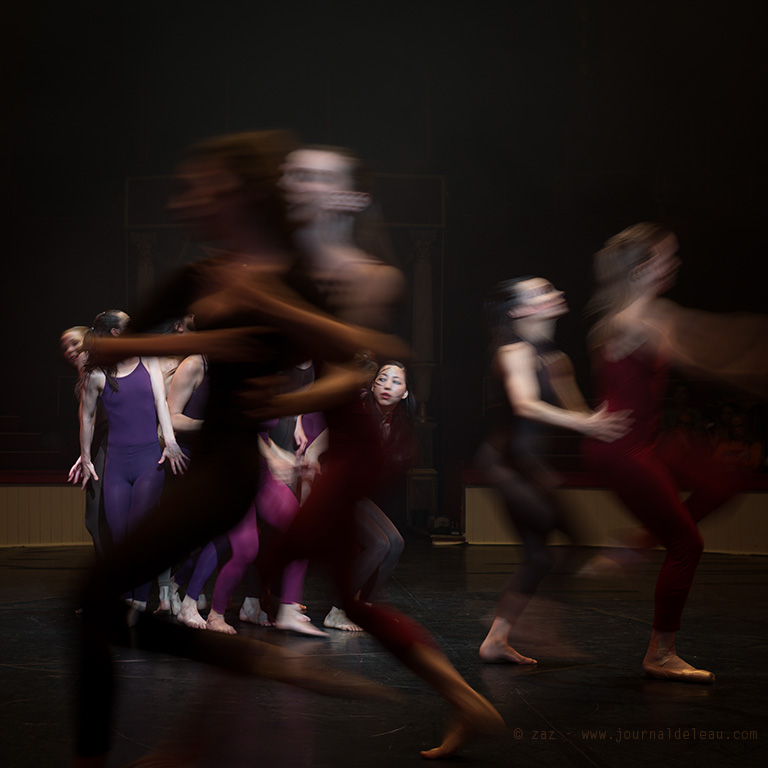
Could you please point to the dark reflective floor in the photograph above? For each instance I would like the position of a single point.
(585, 704)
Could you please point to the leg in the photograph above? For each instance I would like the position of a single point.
(649, 491)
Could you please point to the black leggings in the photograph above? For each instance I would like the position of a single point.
(536, 516)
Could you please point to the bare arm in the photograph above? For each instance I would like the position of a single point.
(732, 347)
(93, 387)
(338, 385)
(185, 381)
(171, 451)
(517, 363)
(275, 304)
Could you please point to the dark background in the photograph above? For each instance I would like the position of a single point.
(552, 123)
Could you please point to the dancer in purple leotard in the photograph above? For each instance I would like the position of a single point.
(133, 396)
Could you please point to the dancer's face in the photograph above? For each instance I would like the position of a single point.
(314, 182)
(540, 298)
(389, 387)
(71, 347)
(659, 273)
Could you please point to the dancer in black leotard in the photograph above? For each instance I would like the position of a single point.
(539, 391)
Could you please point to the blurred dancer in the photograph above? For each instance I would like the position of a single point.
(322, 197)
(539, 392)
(635, 338)
(227, 194)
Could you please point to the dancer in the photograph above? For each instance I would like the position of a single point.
(637, 335)
(133, 396)
(227, 194)
(319, 187)
(380, 543)
(539, 391)
(95, 523)
(187, 397)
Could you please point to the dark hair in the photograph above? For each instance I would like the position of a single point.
(503, 297)
(406, 407)
(401, 443)
(103, 325)
(105, 322)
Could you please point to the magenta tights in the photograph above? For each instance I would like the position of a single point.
(276, 505)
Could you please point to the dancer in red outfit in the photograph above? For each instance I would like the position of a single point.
(636, 337)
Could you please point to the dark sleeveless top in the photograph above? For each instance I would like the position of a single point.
(131, 410)
(523, 440)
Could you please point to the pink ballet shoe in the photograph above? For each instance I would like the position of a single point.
(674, 668)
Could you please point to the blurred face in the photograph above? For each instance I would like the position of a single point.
(203, 191)
(71, 347)
(388, 387)
(315, 182)
(538, 297)
(659, 273)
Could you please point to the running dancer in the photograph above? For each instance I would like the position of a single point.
(539, 392)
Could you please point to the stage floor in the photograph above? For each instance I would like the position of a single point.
(585, 704)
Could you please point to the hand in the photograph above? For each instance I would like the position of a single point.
(176, 458)
(608, 426)
(86, 472)
(299, 438)
(76, 473)
(281, 466)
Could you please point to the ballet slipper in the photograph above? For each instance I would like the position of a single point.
(338, 619)
(217, 623)
(175, 600)
(671, 667)
(189, 615)
(289, 618)
(251, 612)
(202, 602)
(165, 602)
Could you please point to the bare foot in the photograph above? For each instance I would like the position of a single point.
(165, 602)
(189, 614)
(252, 613)
(289, 617)
(174, 598)
(493, 652)
(217, 623)
(202, 602)
(338, 619)
(477, 718)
